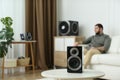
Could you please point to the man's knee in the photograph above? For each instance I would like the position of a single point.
(85, 51)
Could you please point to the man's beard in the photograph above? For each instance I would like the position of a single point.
(98, 33)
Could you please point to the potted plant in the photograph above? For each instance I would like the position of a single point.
(6, 35)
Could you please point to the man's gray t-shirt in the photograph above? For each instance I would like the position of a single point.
(98, 41)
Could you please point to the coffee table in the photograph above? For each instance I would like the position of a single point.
(62, 74)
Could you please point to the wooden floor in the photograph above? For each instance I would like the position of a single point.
(23, 76)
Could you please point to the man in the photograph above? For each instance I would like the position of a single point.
(97, 44)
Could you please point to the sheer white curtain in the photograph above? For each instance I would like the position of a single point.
(16, 10)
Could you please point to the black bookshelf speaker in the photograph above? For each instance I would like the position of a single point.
(28, 36)
(68, 28)
(74, 59)
(22, 36)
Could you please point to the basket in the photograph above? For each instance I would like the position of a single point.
(10, 63)
(23, 62)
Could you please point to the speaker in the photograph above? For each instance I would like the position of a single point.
(22, 36)
(74, 59)
(28, 36)
(68, 28)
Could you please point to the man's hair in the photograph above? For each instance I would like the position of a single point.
(99, 25)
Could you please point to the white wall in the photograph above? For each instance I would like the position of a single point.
(90, 12)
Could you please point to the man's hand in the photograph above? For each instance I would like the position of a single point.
(102, 49)
(76, 44)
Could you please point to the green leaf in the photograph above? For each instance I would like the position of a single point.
(6, 33)
(2, 36)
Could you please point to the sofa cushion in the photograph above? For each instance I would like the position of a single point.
(108, 59)
(115, 44)
(95, 59)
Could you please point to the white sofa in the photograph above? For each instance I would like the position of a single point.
(109, 63)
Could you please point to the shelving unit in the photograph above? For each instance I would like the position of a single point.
(31, 51)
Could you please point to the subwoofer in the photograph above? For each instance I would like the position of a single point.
(74, 59)
(68, 28)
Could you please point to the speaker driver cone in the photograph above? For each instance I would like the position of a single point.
(64, 28)
(74, 63)
(74, 27)
(74, 51)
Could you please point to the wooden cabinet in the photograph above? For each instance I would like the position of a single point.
(60, 48)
